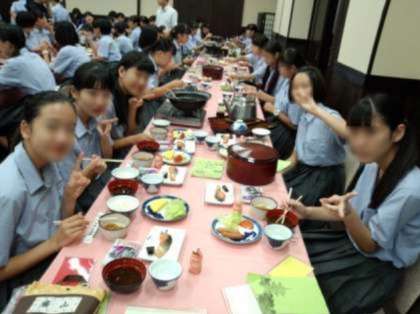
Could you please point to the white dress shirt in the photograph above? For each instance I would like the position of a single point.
(167, 16)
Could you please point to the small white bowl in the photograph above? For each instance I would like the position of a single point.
(123, 204)
(120, 220)
(261, 204)
(152, 182)
(161, 123)
(142, 160)
(278, 235)
(200, 135)
(212, 142)
(125, 173)
(159, 134)
(165, 273)
(261, 132)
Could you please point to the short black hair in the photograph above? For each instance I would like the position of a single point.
(25, 19)
(65, 34)
(120, 14)
(319, 90)
(274, 47)
(104, 25)
(149, 36)
(92, 75)
(137, 59)
(14, 35)
(152, 18)
(34, 104)
(292, 56)
(120, 28)
(88, 13)
(259, 40)
(144, 19)
(252, 27)
(86, 28)
(164, 45)
(180, 29)
(135, 19)
(112, 14)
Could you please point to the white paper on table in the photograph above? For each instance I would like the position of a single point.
(144, 310)
(241, 300)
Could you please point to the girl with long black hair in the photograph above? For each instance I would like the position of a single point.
(359, 268)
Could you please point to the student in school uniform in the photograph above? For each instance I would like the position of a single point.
(180, 35)
(124, 43)
(15, 8)
(38, 7)
(23, 69)
(284, 113)
(106, 48)
(160, 53)
(135, 30)
(88, 19)
(91, 91)
(318, 158)
(254, 60)
(194, 39)
(129, 82)
(250, 31)
(34, 197)
(38, 38)
(205, 32)
(359, 269)
(59, 12)
(271, 79)
(70, 55)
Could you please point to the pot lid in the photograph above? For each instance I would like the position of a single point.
(253, 152)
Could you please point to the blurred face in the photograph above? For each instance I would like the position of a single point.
(92, 102)
(301, 86)
(372, 144)
(269, 58)
(51, 134)
(182, 39)
(97, 32)
(6, 50)
(205, 30)
(162, 58)
(249, 33)
(256, 50)
(41, 22)
(287, 71)
(162, 2)
(133, 81)
(89, 19)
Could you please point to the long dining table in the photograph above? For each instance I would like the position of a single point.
(224, 265)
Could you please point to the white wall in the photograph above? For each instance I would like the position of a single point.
(360, 31)
(399, 48)
(253, 7)
(128, 7)
(149, 7)
(301, 20)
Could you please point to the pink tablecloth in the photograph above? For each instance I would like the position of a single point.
(224, 265)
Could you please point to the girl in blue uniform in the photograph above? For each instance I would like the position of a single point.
(33, 195)
(358, 269)
(91, 91)
(319, 153)
(284, 113)
(70, 55)
(271, 80)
